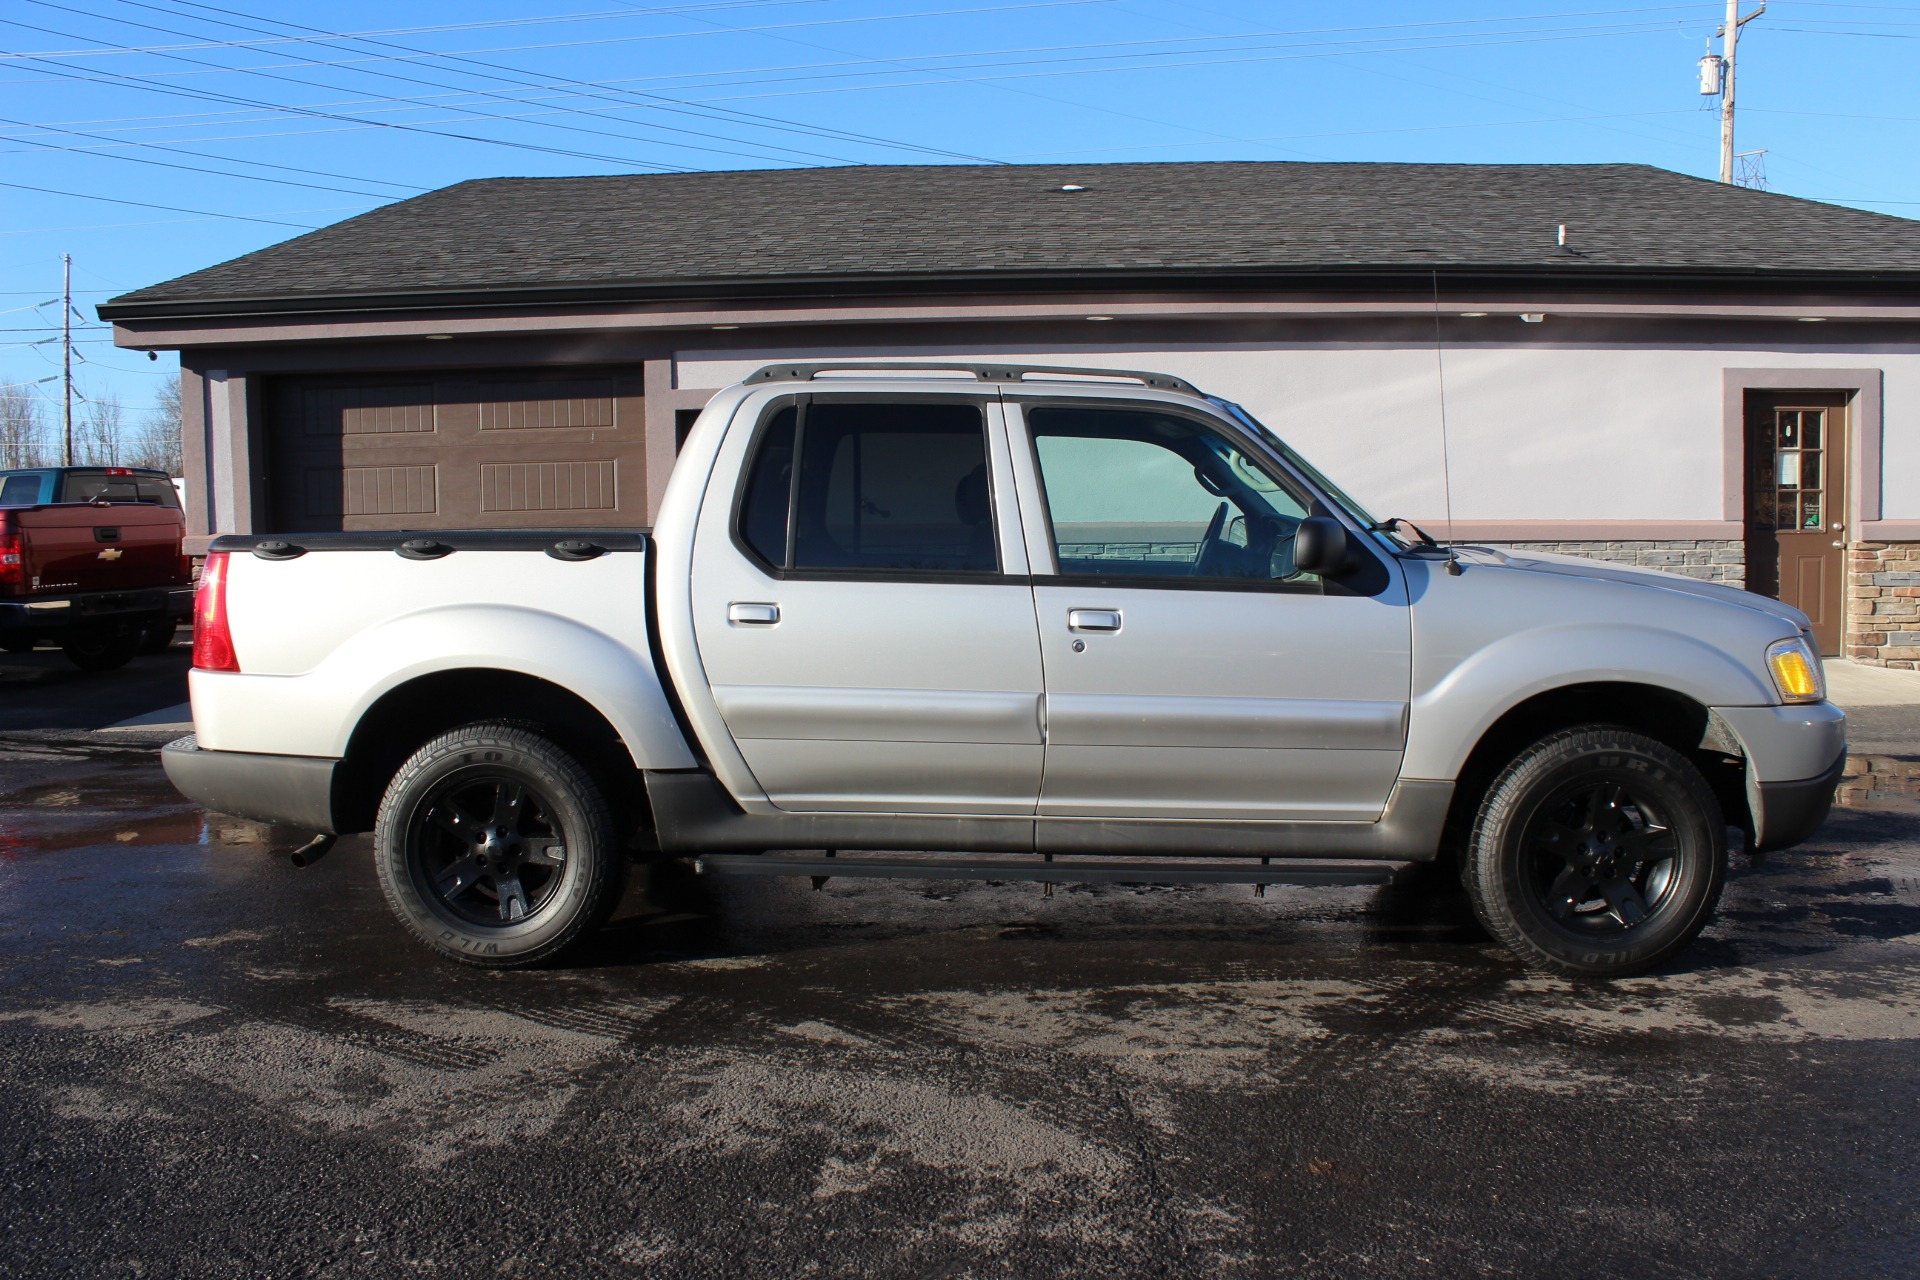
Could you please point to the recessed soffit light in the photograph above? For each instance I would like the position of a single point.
(1473, 315)
(439, 337)
(726, 326)
(1099, 317)
(1813, 319)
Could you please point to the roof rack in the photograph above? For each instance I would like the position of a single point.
(982, 372)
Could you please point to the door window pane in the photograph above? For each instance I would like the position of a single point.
(763, 505)
(881, 486)
(1133, 492)
(894, 486)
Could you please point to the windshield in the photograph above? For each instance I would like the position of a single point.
(1311, 472)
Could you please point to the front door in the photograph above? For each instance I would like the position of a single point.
(869, 641)
(1192, 671)
(1797, 504)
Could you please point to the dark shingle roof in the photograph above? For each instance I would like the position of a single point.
(835, 228)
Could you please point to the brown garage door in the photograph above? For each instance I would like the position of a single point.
(505, 449)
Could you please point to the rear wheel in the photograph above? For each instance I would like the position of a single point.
(102, 650)
(497, 848)
(1598, 853)
(157, 637)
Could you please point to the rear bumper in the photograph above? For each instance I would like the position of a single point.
(296, 791)
(52, 615)
(1785, 813)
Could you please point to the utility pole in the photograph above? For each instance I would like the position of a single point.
(66, 357)
(1729, 42)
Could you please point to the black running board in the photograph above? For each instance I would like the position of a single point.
(1293, 871)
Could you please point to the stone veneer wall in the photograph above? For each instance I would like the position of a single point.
(1713, 559)
(1883, 604)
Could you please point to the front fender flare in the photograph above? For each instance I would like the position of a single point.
(1450, 718)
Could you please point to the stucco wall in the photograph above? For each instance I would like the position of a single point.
(1538, 431)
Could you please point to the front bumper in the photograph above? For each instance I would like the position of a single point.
(294, 790)
(1795, 755)
(54, 615)
(1785, 813)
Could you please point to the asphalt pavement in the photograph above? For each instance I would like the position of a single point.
(220, 1065)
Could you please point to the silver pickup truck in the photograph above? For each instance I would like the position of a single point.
(1004, 623)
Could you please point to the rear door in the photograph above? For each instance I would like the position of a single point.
(863, 613)
(1192, 672)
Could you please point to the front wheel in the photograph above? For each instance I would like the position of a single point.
(496, 847)
(1598, 853)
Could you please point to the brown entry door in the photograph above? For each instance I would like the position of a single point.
(1797, 504)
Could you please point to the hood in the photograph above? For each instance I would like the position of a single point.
(1633, 576)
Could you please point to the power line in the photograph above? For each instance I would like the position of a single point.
(51, 4)
(653, 101)
(191, 168)
(169, 208)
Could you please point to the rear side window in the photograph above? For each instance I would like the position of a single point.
(20, 491)
(879, 486)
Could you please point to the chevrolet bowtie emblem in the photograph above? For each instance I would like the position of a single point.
(111, 553)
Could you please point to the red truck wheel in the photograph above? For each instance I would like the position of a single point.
(102, 650)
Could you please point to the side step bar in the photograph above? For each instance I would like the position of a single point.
(1295, 871)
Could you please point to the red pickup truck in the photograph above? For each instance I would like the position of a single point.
(92, 558)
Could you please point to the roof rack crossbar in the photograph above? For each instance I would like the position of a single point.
(982, 372)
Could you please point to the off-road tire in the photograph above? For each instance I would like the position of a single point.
(1562, 895)
(102, 650)
(419, 855)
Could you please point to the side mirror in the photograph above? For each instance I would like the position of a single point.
(1320, 547)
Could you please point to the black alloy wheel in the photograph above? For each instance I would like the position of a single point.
(497, 847)
(1602, 858)
(489, 848)
(1598, 853)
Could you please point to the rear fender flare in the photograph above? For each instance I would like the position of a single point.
(615, 679)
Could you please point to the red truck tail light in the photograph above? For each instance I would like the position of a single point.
(212, 637)
(12, 571)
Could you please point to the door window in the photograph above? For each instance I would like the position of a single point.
(1790, 468)
(1140, 493)
(879, 487)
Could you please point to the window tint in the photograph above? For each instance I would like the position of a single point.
(158, 492)
(1132, 492)
(20, 491)
(85, 486)
(881, 486)
(763, 503)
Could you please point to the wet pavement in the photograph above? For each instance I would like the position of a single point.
(219, 1065)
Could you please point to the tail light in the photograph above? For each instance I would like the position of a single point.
(212, 637)
(12, 571)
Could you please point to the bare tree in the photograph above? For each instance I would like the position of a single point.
(99, 432)
(23, 438)
(157, 443)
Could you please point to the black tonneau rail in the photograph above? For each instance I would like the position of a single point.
(432, 544)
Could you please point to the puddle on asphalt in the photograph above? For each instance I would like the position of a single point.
(125, 805)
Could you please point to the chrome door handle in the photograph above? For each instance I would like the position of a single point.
(753, 614)
(1093, 619)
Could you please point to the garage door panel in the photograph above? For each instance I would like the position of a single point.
(511, 449)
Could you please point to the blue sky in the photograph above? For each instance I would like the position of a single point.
(149, 138)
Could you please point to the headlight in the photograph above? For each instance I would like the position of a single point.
(1796, 670)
